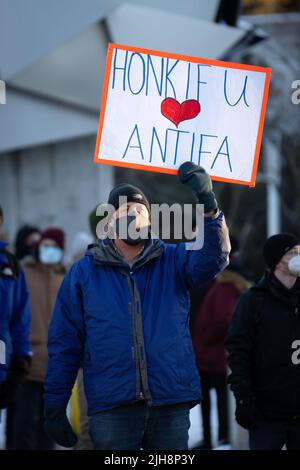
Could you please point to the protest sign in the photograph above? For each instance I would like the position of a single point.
(160, 109)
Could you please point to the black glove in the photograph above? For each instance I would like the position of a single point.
(200, 183)
(58, 427)
(18, 370)
(246, 413)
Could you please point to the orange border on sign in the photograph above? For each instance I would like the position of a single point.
(217, 63)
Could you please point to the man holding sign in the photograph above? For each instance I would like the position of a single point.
(122, 312)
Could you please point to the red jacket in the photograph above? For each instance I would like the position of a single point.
(212, 320)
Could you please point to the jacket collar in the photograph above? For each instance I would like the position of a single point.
(30, 262)
(272, 284)
(105, 253)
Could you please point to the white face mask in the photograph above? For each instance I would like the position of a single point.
(294, 265)
(50, 254)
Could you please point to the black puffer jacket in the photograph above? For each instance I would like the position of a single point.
(265, 324)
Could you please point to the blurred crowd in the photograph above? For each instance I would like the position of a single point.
(40, 255)
(222, 330)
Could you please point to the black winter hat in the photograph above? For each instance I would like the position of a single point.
(276, 247)
(132, 193)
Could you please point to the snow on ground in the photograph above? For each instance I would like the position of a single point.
(195, 433)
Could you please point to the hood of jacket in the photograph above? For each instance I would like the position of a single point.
(269, 282)
(232, 277)
(30, 262)
(104, 252)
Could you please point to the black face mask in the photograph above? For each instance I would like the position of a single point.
(124, 225)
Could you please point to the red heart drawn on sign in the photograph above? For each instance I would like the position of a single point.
(176, 112)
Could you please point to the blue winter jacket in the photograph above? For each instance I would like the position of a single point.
(15, 316)
(129, 326)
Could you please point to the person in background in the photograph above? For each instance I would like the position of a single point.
(27, 241)
(263, 348)
(44, 277)
(15, 317)
(94, 220)
(209, 334)
(79, 245)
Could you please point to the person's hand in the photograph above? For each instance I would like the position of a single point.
(246, 413)
(18, 370)
(196, 178)
(57, 426)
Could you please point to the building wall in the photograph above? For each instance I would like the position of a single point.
(53, 185)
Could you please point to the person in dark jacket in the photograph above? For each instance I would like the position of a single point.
(27, 240)
(122, 312)
(263, 335)
(15, 316)
(209, 334)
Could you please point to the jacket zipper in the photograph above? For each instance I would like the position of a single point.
(135, 343)
(139, 348)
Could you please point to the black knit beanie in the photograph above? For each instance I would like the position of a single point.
(132, 193)
(276, 247)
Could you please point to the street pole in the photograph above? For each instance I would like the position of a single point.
(273, 180)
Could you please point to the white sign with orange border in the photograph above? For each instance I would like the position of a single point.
(160, 109)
